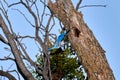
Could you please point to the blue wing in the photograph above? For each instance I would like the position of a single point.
(59, 39)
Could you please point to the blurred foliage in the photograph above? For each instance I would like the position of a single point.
(67, 64)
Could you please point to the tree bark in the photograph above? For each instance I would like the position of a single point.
(88, 50)
(17, 54)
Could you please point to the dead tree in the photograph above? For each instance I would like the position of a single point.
(13, 40)
(18, 60)
(88, 50)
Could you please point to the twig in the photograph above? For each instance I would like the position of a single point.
(27, 56)
(7, 58)
(27, 1)
(38, 46)
(93, 6)
(47, 27)
(52, 36)
(8, 75)
(3, 40)
(6, 16)
(13, 4)
(6, 2)
(42, 16)
(38, 16)
(44, 2)
(36, 24)
(16, 72)
(10, 66)
(78, 4)
(39, 22)
(33, 2)
(60, 24)
(52, 24)
(25, 37)
(25, 17)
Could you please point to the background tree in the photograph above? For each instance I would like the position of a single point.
(36, 13)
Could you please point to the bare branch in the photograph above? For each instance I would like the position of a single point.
(5, 2)
(44, 2)
(25, 37)
(10, 66)
(38, 16)
(93, 6)
(33, 2)
(78, 4)
(14, 4)
(52, 25)
(41, 27)
(19, 62)
(3, 40)
(26, 54)
(8, 75)
(25, 17)
(54, 36)
(42, 16)
(6, 16)
(27, 3)
(28, 58)
(31, 12)
(15, 72)
(2, 8)
(36, 24)
(47, 27)
(7, 58)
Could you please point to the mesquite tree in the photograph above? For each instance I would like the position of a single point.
(44, 14)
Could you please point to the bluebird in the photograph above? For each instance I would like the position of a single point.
(59, 40)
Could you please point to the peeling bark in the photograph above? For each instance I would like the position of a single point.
(88, 50)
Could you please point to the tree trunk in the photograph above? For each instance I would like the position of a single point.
(87, 48)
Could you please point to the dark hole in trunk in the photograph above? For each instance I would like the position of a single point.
(77, 32)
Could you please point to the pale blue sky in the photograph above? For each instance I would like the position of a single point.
(104, 22)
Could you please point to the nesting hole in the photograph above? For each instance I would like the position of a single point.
(76, 32)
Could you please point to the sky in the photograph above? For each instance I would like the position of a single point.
(104, 22)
